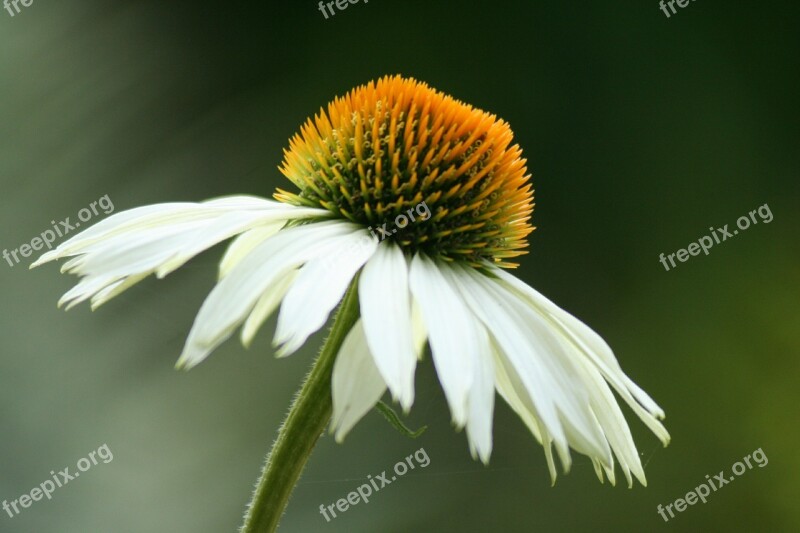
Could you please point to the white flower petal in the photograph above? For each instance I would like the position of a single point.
(596, 350)
(123, 249)
(236, 294)
(418, 330)
(545, 364)
(386, 312)
(169, 214)
(513, 391)
(221, 229)
(318, 289)
(140, 253)
(616, 429)
(453, 333)
(85, 289)
(357, 384)
(113, 262)
(175, 212)
(265, 306)
(244, 244)
(115, 289)
(598, 469)
(481, 400)
(509, 340)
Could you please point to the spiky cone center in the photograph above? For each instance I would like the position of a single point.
(398, 148)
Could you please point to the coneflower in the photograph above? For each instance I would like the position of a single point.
(369, 160)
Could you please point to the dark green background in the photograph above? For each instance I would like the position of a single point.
(640, 132)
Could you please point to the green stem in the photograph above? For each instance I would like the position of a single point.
(307, 419)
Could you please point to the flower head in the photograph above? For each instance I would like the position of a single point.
(376, 153)
(389, 146)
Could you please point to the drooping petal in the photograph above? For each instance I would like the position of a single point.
(516, 396)
(481, 400)
(357, 384)
(452, 331)
(509, 340)
(386, 311)
(418, 329)
(610, 417)
(544, 363)
(265, 306)
(115, 289)
(318, 289)
(233, 298)
(595, 350)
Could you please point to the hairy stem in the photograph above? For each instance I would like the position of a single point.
(307, 419)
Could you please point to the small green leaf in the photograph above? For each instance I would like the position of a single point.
(389, 414)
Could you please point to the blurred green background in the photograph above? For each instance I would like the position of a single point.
(640, 131)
